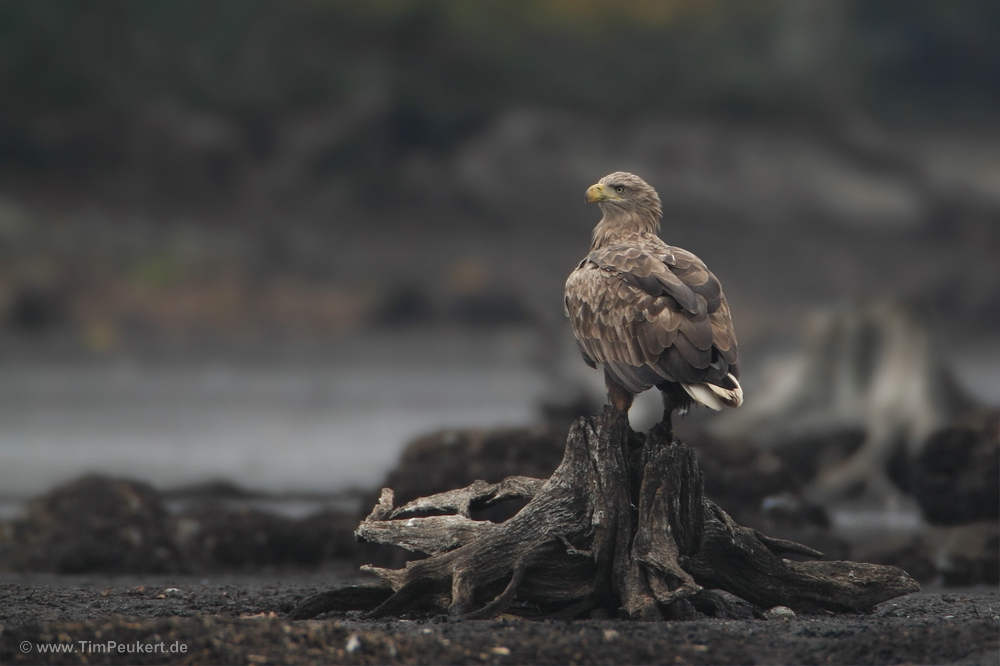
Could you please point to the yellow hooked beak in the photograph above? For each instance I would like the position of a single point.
(596, 193)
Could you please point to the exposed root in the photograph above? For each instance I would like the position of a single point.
(473, 560)
(479, 495)
(622, 525)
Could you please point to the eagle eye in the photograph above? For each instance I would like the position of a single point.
(619, 188)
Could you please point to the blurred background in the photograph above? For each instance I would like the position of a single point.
(272, 242)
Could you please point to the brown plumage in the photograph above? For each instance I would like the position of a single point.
(650, 314)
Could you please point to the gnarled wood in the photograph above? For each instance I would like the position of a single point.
(669, 526)
(622, 525)
(479, 495)
(569, 529)
(736, 559)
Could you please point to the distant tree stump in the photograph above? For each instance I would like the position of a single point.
(621, 527)
(868, 366)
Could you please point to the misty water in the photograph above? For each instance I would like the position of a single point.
(310, 423)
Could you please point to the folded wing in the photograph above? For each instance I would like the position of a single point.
(655, 314)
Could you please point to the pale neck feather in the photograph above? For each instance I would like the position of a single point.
(618, 224)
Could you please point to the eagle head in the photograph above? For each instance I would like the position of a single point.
(626, 201)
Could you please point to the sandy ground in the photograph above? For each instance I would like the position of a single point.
(238, 618)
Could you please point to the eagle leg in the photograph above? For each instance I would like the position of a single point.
(674, 398)
(618, 395)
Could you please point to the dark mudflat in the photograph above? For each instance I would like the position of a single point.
(238, 618)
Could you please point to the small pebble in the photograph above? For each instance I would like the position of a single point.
(353, 643)
(780, 613)
(500, 650)
(173, 592)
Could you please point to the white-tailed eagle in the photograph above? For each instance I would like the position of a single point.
(649, 313)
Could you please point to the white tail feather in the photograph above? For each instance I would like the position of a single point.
(715, 397)
(702, 394)
(730, 397)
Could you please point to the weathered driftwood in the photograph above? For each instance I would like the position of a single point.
(622, 526)
(869, 366)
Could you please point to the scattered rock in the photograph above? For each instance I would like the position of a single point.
(779, 613)
(95, 523)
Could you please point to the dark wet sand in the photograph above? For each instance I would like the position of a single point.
(237, 619)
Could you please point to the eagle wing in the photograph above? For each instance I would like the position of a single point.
(651, 314)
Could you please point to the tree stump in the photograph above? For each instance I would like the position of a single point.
(872, 366)
(621, 527)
